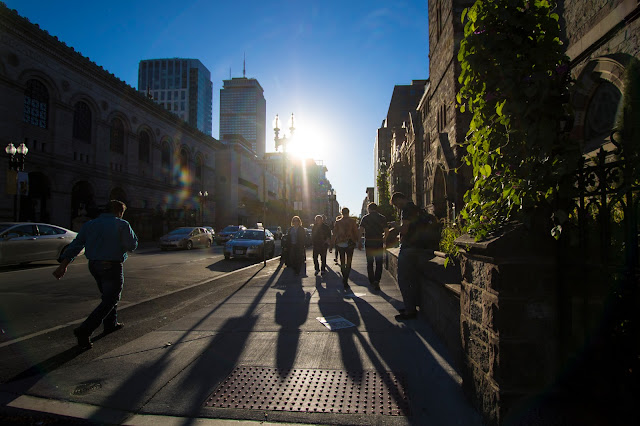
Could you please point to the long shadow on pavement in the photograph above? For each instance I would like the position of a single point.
(133, 389)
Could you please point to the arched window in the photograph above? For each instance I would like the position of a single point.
(36, 104)
(144, 147)
(184, 161)
(199, 167)
(82, 122)
(117, 136)
(165, 160)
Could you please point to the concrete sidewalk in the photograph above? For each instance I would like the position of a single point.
(262, 355)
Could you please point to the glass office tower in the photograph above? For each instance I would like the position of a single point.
(182, 86)
(243, 111)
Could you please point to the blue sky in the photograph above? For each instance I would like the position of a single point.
(333, 62)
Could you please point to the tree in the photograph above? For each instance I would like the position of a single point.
(384, 198)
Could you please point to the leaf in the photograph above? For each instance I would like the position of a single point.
(464, 13)
(499, 107)
(486, 170)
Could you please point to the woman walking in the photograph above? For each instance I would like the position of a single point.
(296, 249)
(346, 237)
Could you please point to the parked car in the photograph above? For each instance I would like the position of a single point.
(276, 231)
(24, 242)
(211, 231)
(186, 238)
(228, 232)
(251, 243)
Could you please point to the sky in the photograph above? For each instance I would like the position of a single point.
(333, 63)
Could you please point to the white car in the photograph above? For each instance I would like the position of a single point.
(24, 242)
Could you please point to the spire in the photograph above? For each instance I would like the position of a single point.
(244, 68)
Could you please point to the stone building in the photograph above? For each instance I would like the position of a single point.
(91, 137)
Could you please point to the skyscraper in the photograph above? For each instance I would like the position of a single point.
(243, 111)
(182, 86)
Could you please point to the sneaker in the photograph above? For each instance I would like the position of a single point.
(405, 316)
(376, 286)
(116, 327)
(83, 339)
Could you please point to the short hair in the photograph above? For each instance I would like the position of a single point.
(318, 217)
(372, 206)
(398, 196)
(115, 206)
(345, 211)
(296, 218)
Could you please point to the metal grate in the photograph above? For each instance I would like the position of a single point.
(313, 391)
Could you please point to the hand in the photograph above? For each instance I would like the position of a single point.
(60, 271)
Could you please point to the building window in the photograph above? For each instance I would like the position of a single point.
(199, 167)
(184, 161)
(165, 159)
(117, 136)
(36, 104)
(144, 147)
(82, 122)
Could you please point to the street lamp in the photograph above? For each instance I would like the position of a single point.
(284, 141)
(16, 165)
(203, 201)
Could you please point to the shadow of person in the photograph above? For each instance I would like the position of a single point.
(292, 309)
(36, 372)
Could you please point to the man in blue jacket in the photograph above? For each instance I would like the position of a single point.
(106, 241)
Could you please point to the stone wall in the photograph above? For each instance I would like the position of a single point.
(508, 323)
(439, 298)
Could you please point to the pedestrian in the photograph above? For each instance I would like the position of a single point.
(106, 241)
(374, 225)
(320, 238)
(335, 248)
(346, 237)
(409, 257)
(296, 244)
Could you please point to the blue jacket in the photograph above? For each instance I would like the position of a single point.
(105, 238)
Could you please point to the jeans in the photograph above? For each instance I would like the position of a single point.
(346, 256)
(320, 250)
(110, 279)
(374, 253)
(297, 256)
(409, 277)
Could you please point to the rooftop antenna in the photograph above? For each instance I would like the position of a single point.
(244, 67)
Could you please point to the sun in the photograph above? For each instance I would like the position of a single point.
(309, 141)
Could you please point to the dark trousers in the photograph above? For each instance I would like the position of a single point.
(110, 279)
(296, 256)
(346, 256)
(374, 254)
(409, 277)
(320, 250)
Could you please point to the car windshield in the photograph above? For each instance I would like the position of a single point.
(249, 235)
(231, 229)
(180, 231)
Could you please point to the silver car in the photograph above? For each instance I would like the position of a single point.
(186, 238)
(250, 243)
(24, 242)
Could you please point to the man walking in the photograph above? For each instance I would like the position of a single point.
(374, 225)
(320, 237)
(106, 241)
(409, 257)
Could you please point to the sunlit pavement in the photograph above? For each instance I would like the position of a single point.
(195, 369)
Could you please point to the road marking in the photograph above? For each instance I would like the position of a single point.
(132, 304)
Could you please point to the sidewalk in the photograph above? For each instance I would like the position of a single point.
(262, 356)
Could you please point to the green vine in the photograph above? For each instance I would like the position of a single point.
(450, 232)
(515, 82)
(384, 197)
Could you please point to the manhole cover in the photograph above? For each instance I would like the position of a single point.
(312, 390)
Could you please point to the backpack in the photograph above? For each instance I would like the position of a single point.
(425, 231)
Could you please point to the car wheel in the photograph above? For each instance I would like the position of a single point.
(227, 256)
(189, 245)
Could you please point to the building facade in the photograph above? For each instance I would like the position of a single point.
(243, 111)
(91, 138)
(182, 86)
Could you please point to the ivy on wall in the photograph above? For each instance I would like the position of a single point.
(515, 82)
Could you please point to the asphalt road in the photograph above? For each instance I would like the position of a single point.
(38, 313)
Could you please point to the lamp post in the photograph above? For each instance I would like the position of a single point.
(16, 165)
(284, 141)
(203, 201)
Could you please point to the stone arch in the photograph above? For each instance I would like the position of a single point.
(597, 100)
(83, 204)
(29, 74)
